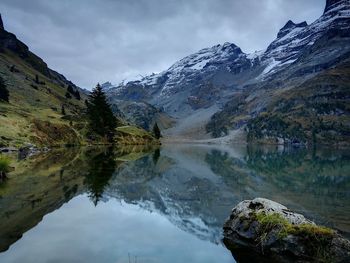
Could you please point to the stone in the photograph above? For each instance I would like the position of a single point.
(293, 238)
(29, 149)
(8, 150)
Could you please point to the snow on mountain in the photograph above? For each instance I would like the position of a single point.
(207, 59)
(293, 38)
(285, 49)
(107, 86)
(207, 78)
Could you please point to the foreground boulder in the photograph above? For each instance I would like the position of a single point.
(262, 230)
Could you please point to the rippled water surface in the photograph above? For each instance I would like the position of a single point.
(158, 205)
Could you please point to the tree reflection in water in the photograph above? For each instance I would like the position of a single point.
(100, 171)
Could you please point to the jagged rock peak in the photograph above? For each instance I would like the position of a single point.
(331, 4)
(228, 44)
(1, 24)
(289, 26)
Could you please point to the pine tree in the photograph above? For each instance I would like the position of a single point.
(67, 95)
(4, 93)
(156, 131)
(101, 118)
(63, 111)
(73, 92)
(77, 95)
(70, 89)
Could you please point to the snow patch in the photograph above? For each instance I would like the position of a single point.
(272, 64)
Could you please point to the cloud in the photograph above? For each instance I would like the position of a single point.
(92, 41)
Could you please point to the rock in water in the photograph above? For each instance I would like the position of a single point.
(262, 230)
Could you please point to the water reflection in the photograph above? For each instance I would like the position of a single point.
(192, 187)
(100, 170)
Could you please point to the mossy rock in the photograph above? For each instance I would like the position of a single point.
(266, 231)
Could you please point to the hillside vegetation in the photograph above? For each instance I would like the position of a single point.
(44, 107)
(134, 136)
(315, 112)
(34, 112)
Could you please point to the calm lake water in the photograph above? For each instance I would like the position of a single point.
(158, 205)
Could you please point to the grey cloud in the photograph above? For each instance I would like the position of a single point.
(93, 41)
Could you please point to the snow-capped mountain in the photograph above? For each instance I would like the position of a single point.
(206, 80)
(107, 86)
(293, 39)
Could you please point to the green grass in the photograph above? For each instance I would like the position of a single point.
(316, 238)
(272, 221)
(132, 130)
(28, 106)
(33, 115)
(4, 164)
(131, 135)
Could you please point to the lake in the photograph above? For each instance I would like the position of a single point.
(166, 204)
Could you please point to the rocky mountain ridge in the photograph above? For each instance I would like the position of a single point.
(9, 41)
(203, 83)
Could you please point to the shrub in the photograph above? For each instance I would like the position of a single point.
(4, 164)
(68, 96)
(4, 93)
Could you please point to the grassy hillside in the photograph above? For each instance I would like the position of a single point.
(37, 95)
(33, 113)
(134, 136)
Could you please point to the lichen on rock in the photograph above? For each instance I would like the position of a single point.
(265, 231)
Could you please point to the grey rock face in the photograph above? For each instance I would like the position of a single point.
(330, 4)
(289, 27)
(175, 89)
(211, 76)
(262, 205)
(249, 238)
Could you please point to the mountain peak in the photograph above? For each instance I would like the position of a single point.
(107, 85)
(331, 4)
(289, 26)
(228, 44)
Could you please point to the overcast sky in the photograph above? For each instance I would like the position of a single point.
(92, 41)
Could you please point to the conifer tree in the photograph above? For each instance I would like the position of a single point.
(67, 95)
(156, 131)
(101, 118)
(70, 89)
(4, 93)
(77, 95)
(63, 111)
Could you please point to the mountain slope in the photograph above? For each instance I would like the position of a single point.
(37, 95)
(44, 107)
(203, 83)
(317, 111)
(305, 102)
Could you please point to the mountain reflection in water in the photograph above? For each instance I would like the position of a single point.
(191, 186)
